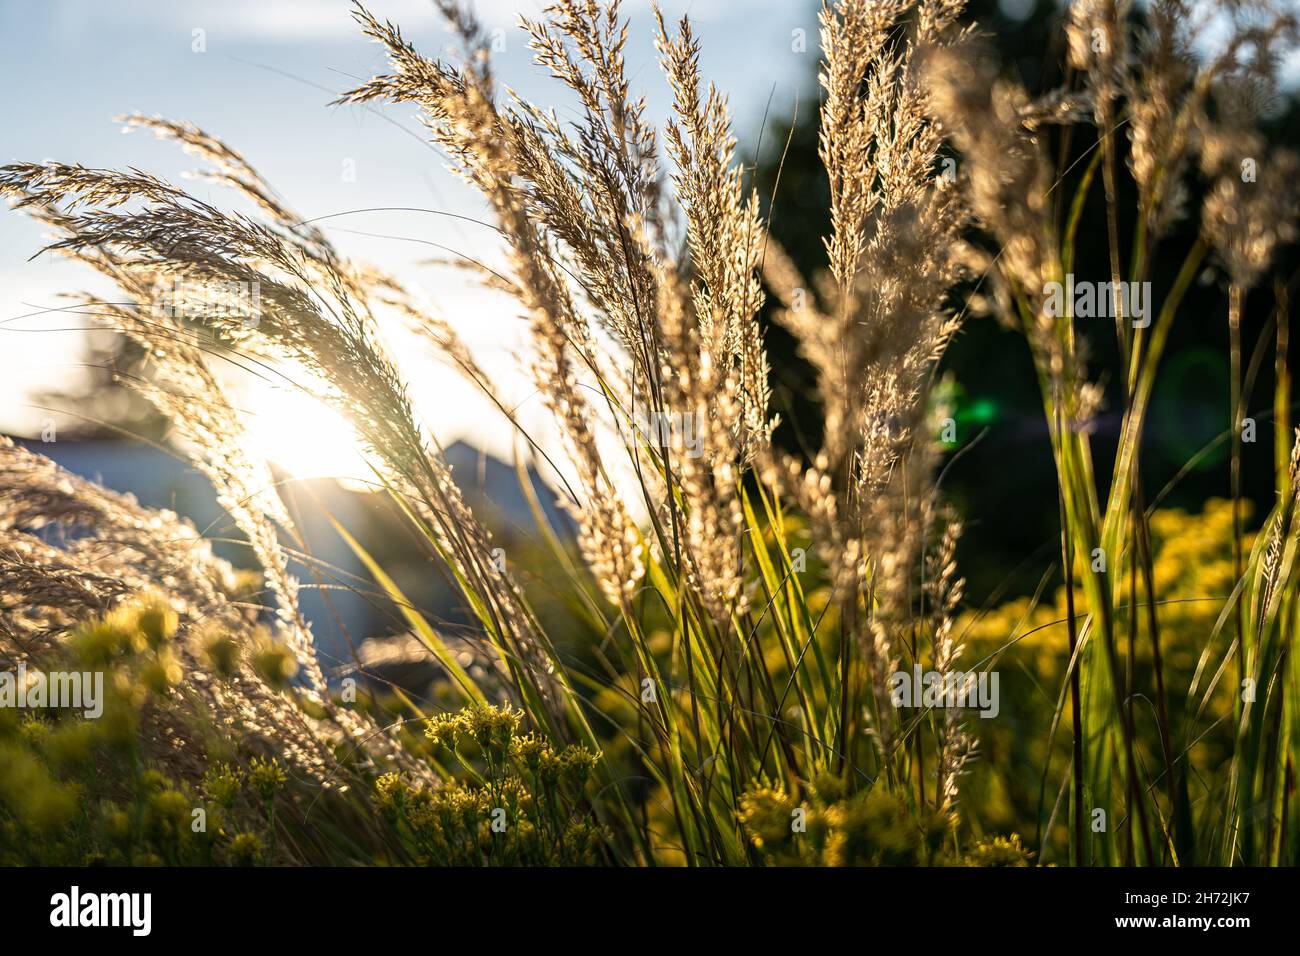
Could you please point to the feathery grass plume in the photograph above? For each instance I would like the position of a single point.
(1253, 204)
(1252, 208)
(1097, 43)
(1007, 184)
(581, 205)
(894, 251)
(1169, 97)
(725, 236)
(1164, 95)
(607, 537)
(132, 545)
(229, 168)
(945, 589)
(183, 388)
(895, 244)
(711, 523)
(486, 148)
(564, 342)
(715, 367)
(1008, 189)
(595, 189)
(592, 199)
(462, 115)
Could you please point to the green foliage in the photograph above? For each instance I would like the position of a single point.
(869, 828)
(513, 801)
(80, 791)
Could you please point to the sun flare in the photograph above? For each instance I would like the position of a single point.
(305, 437)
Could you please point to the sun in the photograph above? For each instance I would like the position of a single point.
(305, 437)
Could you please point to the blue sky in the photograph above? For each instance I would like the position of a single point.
(262, 83)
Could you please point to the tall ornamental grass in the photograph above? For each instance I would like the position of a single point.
(750, 612)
